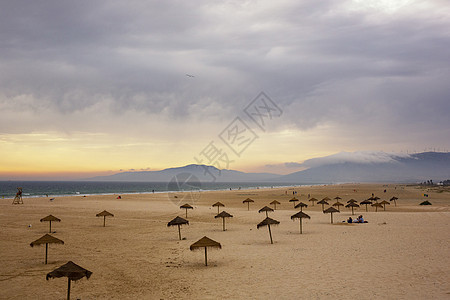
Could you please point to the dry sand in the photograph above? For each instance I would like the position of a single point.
(402, 253)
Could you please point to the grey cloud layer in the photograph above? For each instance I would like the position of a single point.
(360, 71)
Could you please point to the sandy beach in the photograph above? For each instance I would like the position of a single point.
(401, 253)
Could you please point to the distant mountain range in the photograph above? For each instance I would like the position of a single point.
(200, 172)
(338, 168)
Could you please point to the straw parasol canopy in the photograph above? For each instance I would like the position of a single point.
(301, 205)
(186, 207)
(337, 198)
(218, 204)
(384, 202)
(323, 202)
(376, 205)
(70, 270)
(205, 242)
(265, 209)
(366, 202)
(274, 203)
(248, 200)
(300, 215)
(267, 222)
(374, 198)
(394, 199)
(338, 204)
(50, 219)
(104, 214)
(178, 221)
(331, 210)
(223, 215)
(352, 201)
(294, 200)
(352, 205)
(46, 239)
(313, 200)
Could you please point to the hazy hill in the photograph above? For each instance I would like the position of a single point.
(202, 172)
(376, 167)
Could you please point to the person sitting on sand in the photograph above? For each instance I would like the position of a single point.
(350, 220)
(360, 219)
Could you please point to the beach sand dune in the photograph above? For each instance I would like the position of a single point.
(402, 253)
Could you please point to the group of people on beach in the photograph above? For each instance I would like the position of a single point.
(359, 219)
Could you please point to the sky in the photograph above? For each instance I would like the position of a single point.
(97, 87)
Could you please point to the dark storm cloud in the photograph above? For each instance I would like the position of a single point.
(324, 63)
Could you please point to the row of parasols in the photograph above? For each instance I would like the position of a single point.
(206, 242)
(70, 270)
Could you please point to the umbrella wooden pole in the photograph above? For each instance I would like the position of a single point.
(179, 232)
(206, 257)
(267, 213)
(186, 213)
(46, 252)
(218, 207)
(331, 218)
(68, 290)
(248, 205)
(322, 206)
(50, 230)
(275, 205)
(104, 221)
(223, 224)
(366, 207)
(300, 225)
(270, 234)
(352, 211)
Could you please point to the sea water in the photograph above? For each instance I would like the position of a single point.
(8, 189)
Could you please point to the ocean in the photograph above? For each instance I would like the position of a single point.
(8, 189)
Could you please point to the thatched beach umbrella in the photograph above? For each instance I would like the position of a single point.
(338, 204)
(394, 199)
(186, 207)
(313, 200)
(384, 202)
(50, 219)
(248, 200)
(366, 202)
(352, 205)
(300, 215)
(205, 242)
(178, 221)
(294, 200)
(70, 270)
(223, 215)
(374, 198)
(267, 222)
(274, 203)
(323, 202)
(265, 209)
(104, 214)
(337, 198)
(376, 205)
(218, 204)
(46, 239)
(301, 205)
(331, 210)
